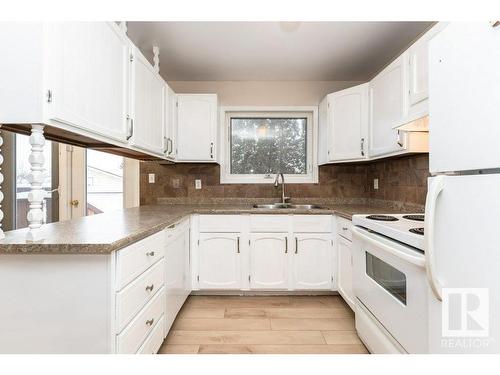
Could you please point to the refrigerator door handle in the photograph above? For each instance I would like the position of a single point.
(436, 188)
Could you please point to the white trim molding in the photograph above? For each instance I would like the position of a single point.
(311, 112)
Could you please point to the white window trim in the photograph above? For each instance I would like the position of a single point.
(278, 111)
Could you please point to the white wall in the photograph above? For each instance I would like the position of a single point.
(265, 93)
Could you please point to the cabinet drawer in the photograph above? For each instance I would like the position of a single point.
(138, 257)
(344, 228)
(269, 223)
(135, 295)
(154, 340)
(220, 223)
(129, 341)
(312, 223)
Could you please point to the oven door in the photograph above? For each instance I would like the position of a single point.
(389, 280)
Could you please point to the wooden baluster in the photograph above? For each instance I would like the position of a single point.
(36, 177)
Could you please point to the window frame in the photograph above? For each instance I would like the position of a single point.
(309, 112)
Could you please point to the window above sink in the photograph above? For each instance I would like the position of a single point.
(259, 142)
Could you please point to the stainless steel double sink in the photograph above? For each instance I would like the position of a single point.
(282, 206)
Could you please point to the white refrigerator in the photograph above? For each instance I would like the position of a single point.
(462, 225)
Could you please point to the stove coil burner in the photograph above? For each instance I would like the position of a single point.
(417, 231)
(382, 218)
(414, 217)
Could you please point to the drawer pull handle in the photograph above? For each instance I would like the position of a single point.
(150, 322)
(344, 228)
(150, 254)
(150, 288)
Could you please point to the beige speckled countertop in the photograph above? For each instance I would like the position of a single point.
(107, 232)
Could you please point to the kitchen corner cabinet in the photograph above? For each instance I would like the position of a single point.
(388, 107)
(313, 261)
(71, 75)
(148, 106)
(269, 261)
(196, 127)
(343, 125)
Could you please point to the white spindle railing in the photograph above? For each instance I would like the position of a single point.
(36, 177)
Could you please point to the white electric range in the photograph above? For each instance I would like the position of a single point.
(389, 282)
(408, 228)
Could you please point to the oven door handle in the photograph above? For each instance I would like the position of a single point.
(436, 188)
(418, 261)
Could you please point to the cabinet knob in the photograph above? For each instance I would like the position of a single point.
(150, 254)
(74, 202)
(150, 288)
(150, 322)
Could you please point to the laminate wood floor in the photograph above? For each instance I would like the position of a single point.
(263, 325)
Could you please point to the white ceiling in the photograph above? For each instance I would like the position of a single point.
(274, 51)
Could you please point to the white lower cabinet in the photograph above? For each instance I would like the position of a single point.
(269, 252)
(219, 261)
(269, 261)
(313, 261)
(344, 258)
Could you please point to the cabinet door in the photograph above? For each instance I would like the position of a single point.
(345, 270)
(349, 122)
(174, 275)
(196, 127)
(388, 104)
(219, 261)
(88, 72)
(313, 261)
(418, 75)
(269, 261)
(170, 123)
(148, 106)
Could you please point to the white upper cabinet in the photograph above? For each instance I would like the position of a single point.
(148, 109)
(343, 125)
(196, 127)
(170, 123)
(87, 66)
(388, 107)
(418, 75)
(269, 260)
(313, 261)
(464, 84)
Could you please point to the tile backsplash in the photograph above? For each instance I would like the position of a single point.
(401, 179)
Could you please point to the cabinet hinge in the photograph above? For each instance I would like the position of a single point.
(198, 278)
(248, 242)
(198, 242)
(49, 96)
(332, 279)
(249, 278)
